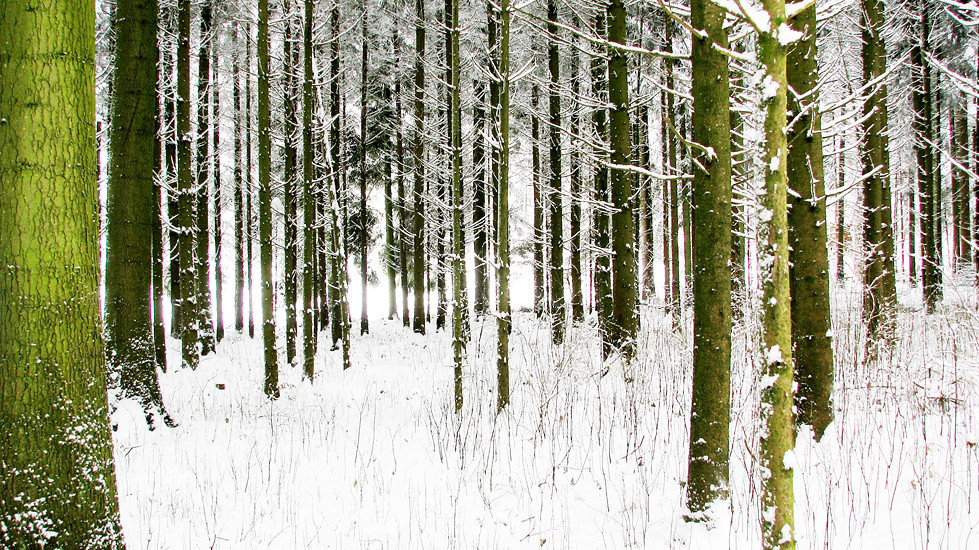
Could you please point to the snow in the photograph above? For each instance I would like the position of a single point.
(787, 35)
(375, 456)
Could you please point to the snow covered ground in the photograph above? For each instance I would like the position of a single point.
(376, 457)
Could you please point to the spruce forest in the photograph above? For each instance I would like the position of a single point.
(489, 274)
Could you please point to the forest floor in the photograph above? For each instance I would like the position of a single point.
(376, 457)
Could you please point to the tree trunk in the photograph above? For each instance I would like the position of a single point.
(880, 295)
(59, 486)
(309, 198)
(808, 246)
(481, 301)
(458, 242)
(364, 226)
(707, 468)
(625, 321)
(190, 351)
(216, 148)
(249, 187)
(503, 205)
(204, 159)
(129, 259)
(574, 157)
(239, 189)
(556, 222)
(419, 186)
(778, 431)
(539, 277)
(960, 181)
(603, 263)
(290, 127)
(265, 204)
(922, 103)
(404, 210)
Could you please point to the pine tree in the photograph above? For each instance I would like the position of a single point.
(129, 338)
(59, 487)
(808, 246)
(555, 218)
(880, 295)
(309, 198)
(216, 163)
(574, 158)
(185, 187)
(625, 321)
(202, 214)
(778, 431)
(238, 187)
(922, 103)
(603, 263)
(265, 204)
(711, 405)
(539, 278)
(290, 129)
(503, 323)
(418, 246)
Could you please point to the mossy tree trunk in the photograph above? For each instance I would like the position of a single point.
(778, 428)
(808, 243)
(59, 487)
(707, 468)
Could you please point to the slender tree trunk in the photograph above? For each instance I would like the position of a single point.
(625, 321)
(249, 187)
(265, 204)
(603, 262)
(557, 306)
(173, 198)
(419, 154)
(390, 247)
(239, 188)
(458, 241)
(364, 226)
(808, 242)
(309, 198)
(341, 310)
(481, 302)
(880, 295)
(539, 277)
(290, 64)
(188, 268)
(707, 470)
(503, 205)
(404, 210)
(59, 486)
(204, 160)
(841, 216)
(960, 181)
(922, 103)
(778, 435)
(574, 157)
(159, 176)
(216, 148)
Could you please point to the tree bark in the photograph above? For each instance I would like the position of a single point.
(202, 310)
(309, 198)
(59, 486)
(190, 351)
(419, 168)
